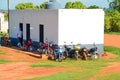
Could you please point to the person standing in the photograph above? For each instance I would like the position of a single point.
(20, 36)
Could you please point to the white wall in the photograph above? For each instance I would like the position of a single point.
(5, 27)
(83, 26)
(1, 21)
(49, 18)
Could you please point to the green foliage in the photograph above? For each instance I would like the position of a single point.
(6, 17)
(112, 20)
(37, 7)
(76, 5)
(68, 5)
(93, 7)
(3, 33)
(42, 6)
(114, 4)
(29, 5)
(115, 21)
(22, 6)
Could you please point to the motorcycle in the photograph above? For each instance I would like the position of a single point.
(76, 51)
(93, 53)
(83, 53)
(58, 54)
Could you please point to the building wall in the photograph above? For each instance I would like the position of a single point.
(48, 18)
(1, 21)
(5, 27)
(81, 26)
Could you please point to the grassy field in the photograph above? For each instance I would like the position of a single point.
(81, 70)
(115, 33)
(2, 61)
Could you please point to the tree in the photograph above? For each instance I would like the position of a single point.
(115, 21)
(29, 5)
(68, 5)
(42, 6)
(112, 20)
(114, 4)
(22, 6)
(37, 7)
(93, 7)
(76, 5)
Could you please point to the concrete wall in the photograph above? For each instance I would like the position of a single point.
(80, 26)
(84, 26)
(1, 21)
(48, 18)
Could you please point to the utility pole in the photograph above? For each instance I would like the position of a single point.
(8, 3)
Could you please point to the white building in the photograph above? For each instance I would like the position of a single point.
(3, 23)
(80, 26)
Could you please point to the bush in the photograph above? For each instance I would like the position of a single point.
(112, 21)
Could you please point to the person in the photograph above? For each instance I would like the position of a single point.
(26, 44)
(20, 36)
(29, 44)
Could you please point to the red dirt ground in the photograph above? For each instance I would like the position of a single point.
(21, 68)
(17, 70)
(113, 67)
(112, 40)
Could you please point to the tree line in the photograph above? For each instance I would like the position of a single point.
(112, 14)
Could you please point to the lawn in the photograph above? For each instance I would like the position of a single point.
(115, 33)
(2, 61)
(81, 70)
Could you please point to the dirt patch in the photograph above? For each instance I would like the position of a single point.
(92, 79)
(108, 55)
(16, 55)
(20, 70)
(113, 67)
(112, 40)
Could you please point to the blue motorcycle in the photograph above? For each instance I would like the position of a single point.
(58, 54)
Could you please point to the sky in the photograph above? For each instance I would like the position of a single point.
(100, 3)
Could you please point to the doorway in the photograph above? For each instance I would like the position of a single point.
(27, 32)
(41, 33)
(21, 29)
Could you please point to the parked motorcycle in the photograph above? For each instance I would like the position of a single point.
(93, 53)
(58, 54)
(76, 51)
(83, 53)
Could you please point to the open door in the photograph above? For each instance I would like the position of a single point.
(27, 32)
(41, 33)
(21, 28)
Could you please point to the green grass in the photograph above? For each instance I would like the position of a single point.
(2, 61)
(81, 70)
(115, 33)
(3, 53)
(113, 50)
(111, 76)
(42, 65)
